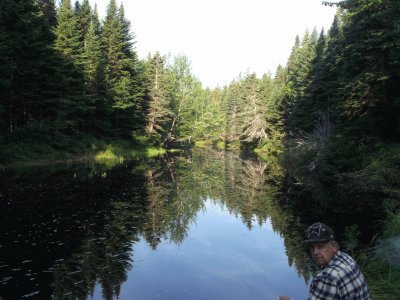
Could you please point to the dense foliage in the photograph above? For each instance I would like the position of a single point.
(65, 73)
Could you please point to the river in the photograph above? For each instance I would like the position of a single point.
(202, 226)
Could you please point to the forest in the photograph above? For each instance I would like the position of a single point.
(72, 83)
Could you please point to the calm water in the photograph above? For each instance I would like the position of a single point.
(206, 226)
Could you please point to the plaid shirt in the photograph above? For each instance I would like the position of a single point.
(339, 279)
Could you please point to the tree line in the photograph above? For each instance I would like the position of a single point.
(66, 74)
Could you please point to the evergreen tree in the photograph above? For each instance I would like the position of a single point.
(26, 68)
(276, 111)
(73, 107)
(322, 93)
(48, 9)
(124, 73)
(254, 111)
(299, 71)
(159, 114)
(83, 13)
(370, 76)
(95, 86)
(68, 35)
(234, 102)
(95, 21)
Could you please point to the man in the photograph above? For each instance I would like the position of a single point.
(339, 277)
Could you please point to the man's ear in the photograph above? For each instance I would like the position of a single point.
(335, 244)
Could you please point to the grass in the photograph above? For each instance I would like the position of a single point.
(106, 152)
(147, 152)
(220, 145)
(383, 279)
(203, 144)
(380, 261)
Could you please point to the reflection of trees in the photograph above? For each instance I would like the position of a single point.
(158, 195)
(249, 189)
(78, 225)
(172, 204)
(246, 189)
(101, 217)
(104, 255)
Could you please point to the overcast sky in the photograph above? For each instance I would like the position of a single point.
(223, 38)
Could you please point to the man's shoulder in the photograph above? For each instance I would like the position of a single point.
(342, 260)
(340, 265)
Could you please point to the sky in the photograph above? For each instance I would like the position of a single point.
(223, 38)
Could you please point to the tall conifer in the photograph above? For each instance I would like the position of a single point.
(124, 73)
(370, 63)
(26, 67)
(83, 14)
(73, 107)
(48, 9)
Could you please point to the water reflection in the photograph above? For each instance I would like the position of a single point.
(220, 259)
(69, 233)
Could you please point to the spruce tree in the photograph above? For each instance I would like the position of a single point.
(124, 73)
(323, 92)
(299, 72)
(93, 64)
(73, 107)
(26, 68)
(68, 34)
(276, 111)
(370, 76)
(48, 9)
(234, 103)
(83, 13)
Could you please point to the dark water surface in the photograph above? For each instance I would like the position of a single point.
(204, 226)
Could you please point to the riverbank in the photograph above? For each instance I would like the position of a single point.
(380, 261)
(82, 148)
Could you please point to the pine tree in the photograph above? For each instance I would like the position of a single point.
(26, 67)
(276, 134)
(73, 107)
(95, 86)
(83, 13)
(68, 35)
(48, 9)
(234, 102)
(371, 100)
(299, 73)
(124, 73)
(322, 92)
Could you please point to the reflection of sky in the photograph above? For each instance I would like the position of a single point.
(220, 259)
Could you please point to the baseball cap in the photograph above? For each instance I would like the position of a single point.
(319, 232)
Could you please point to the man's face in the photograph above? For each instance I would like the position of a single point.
(322, 252)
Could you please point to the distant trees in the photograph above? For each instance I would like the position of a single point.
(176, 101)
